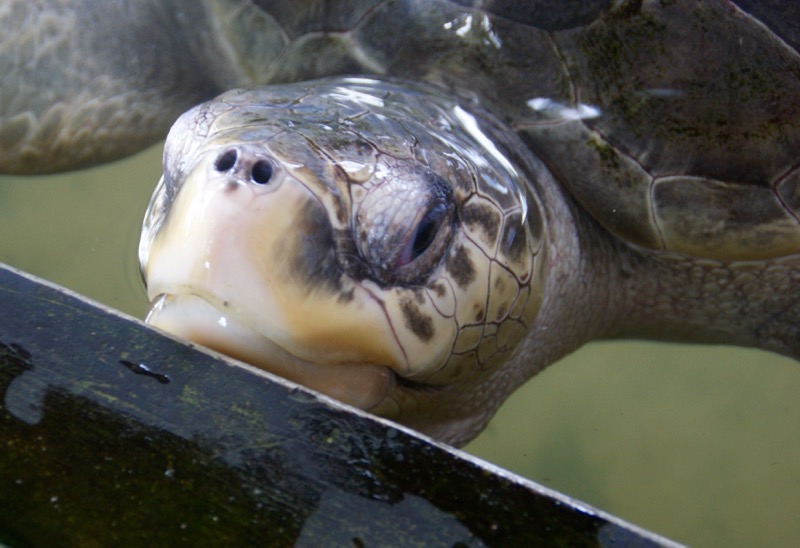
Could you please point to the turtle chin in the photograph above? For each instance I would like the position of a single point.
(365, 386)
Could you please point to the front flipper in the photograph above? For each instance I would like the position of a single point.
(85, 82)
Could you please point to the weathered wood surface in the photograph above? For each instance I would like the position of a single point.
(98, 450)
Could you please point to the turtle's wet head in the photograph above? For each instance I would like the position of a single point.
(372, 240)
(243, 261)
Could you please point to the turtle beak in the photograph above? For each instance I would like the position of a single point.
(193, 318)
(247, 268)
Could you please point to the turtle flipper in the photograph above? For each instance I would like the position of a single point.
(85, 82)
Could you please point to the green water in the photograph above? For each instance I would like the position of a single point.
(701, 444)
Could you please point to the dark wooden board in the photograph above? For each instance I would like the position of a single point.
(96, 449)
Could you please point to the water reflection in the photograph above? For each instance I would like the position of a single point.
(554, 111)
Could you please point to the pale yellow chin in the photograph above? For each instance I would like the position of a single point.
(364, 386)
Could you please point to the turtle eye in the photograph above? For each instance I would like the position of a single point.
(423, 235)
(404, 225)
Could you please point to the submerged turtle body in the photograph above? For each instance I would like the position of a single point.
(646, 152)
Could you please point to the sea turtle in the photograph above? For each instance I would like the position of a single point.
(519, 179)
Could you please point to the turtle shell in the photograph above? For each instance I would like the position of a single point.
(676, 125)
(681, 131)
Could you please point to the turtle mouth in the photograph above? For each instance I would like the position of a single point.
(192, 317)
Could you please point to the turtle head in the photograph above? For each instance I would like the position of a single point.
(371, 241)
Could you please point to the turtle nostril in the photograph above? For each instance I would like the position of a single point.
(261, 172)
(236, 162)
(226, 160)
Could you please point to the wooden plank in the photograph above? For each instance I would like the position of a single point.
(115, 434)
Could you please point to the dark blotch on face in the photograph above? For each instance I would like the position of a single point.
(419, 324)
(460, 267)
(484, 216)
(315, 259)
